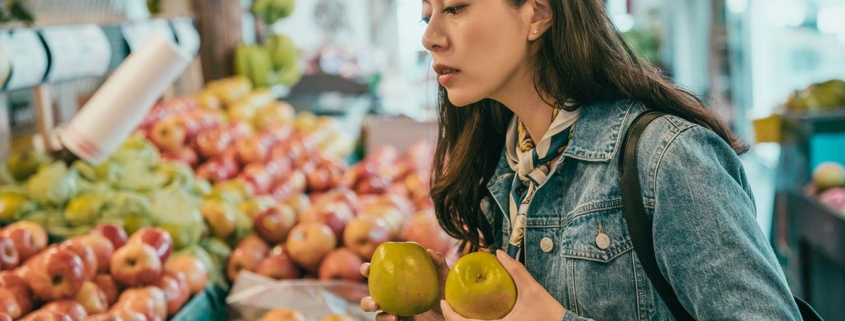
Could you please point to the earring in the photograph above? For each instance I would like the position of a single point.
(535, 31)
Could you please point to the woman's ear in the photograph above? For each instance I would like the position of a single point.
(541, 19)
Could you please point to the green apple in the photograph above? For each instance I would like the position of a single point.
(403, 279)
(11, 205)
(25, 163)
(220, 217)
(83, 210)
(479, 287)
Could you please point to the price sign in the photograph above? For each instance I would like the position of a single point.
(28, 57)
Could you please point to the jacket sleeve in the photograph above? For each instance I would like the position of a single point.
(707, 241)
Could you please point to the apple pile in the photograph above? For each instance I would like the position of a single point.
(828, 186)
(331, 232)
(104, 275)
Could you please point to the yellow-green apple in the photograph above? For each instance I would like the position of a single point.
(175, 289)
(364, 234)
(44, 315)
(479, 287)
(220, 217)
(212, 142)
(103, 250)
(109, 287)
(9, 256)
(309, 242)
(92, 298)
(425, 230)
(334, 214)
(39, 235)
(194, 270)
(257, 177)
(56, 275)
(255, 205)
(136, 264)
(23, 239)
(393, 264)
(283, 315)
(274, 224)
(12, 282)
(157, 238)
(85, 253)
(9, 304)
(113, 232)
(68, 307)
(298, 202)
(341, 264)
(279, 267)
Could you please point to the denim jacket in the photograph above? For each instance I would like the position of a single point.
(707, 241)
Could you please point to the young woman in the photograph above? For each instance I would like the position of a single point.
(535, 99)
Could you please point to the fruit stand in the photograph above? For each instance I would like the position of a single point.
(807, 229)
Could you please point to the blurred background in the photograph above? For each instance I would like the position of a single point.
(774, 69)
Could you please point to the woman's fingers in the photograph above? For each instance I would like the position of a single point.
(365, 269)
(369, 305)
(386, 317)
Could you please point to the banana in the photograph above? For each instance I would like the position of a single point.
(290, 76)
(282, 51)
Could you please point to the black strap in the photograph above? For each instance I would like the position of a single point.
(640, 228)
(639, 225)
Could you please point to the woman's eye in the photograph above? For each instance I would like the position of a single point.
(425, 20)
(454, 10)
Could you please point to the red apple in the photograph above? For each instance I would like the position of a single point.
(425, 230)
(320, 180)
(136, 264)
(103, 317)
(333, 214)
(133, 300)
(9, 304)
(279, 169)
(279, 267)
(23, 239)
(160, 240)
(71, 308)
(294, 184)
(109, 287)
(252, 149)
(243, 258)
(218, 169)
(9, 257)
(85, 253)
(257, 176)
(255, 244)
(39, 235)
(194, 270)
(103, 250)
(92, 298)
(19, 287)
(363, 235)
(309, 242)
(212, 142)
(59, 274)
(175, 289)
(341, 264)
(128, 315)
(274, 224)
(44, 315)
(187, 156)
(347, 196)
(169, 135)
(114, 233)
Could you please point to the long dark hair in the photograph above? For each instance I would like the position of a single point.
(581, 57)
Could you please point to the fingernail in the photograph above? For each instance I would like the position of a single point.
(371, 305)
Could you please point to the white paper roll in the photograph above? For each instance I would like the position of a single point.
(121, 103)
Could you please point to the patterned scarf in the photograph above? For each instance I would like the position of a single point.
(531, 163)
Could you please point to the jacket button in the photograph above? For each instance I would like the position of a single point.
(547, 245)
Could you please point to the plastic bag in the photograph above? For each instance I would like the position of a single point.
(253, 295)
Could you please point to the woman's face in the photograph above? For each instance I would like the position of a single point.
(478, 46)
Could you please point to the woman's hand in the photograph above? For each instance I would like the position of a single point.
(369, 305)
(533, 302)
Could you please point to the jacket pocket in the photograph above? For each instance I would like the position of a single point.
(604, 279)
